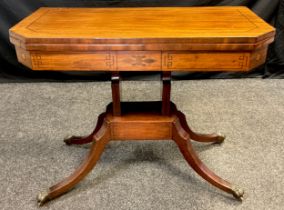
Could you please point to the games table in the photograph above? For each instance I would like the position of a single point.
(161, 39)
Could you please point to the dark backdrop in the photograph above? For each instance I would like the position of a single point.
(12, 11)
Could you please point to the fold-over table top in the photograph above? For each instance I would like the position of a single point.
(142, 39)
(142, 25)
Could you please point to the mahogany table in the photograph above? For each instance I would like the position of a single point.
(142, 39)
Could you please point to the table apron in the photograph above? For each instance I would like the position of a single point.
(143, 60)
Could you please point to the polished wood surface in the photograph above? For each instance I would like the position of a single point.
(100, 139)
(115, 89)
(166, 93)
(163, 24)
(141, 121)
(143, 60)
(142, 39)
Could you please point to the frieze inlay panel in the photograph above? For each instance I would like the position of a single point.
(204, 60)
(141, 60)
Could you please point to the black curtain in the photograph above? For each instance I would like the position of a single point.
(12, 11)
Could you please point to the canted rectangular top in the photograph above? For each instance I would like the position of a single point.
(141, 25)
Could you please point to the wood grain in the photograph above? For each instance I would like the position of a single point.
(139, 121)
(138, 60)
(202, 61)
(142, 60)
(73, 61)
(141, 25)
(115, 90)
(142, 39)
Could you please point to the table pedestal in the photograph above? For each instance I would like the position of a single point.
(141, 121)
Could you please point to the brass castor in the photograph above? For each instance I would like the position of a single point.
(220, 138)
(238, 193)
(43, 198)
